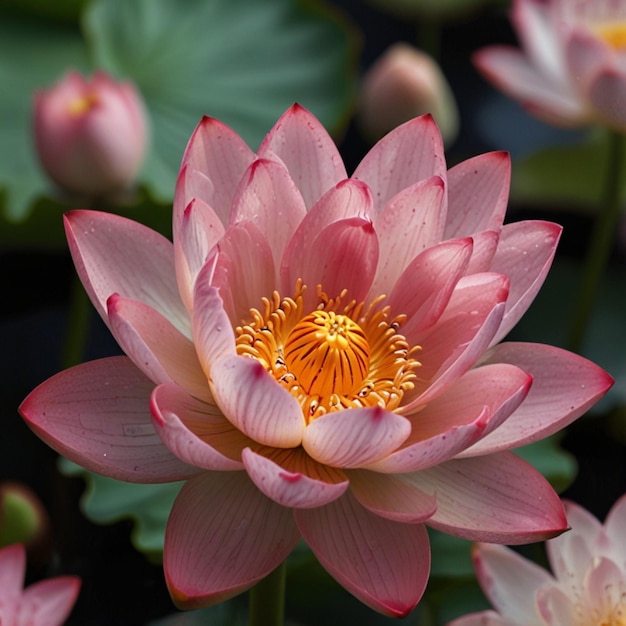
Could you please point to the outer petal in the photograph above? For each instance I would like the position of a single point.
(268, 197)
(411, 222)
(113, 254)
(391, 497)
(222, 156)
(97, 414)
(510, 581)
(409, 153)
(256, 404)
(159, 350)
(307, 150)
(565, 385)
(12, 571)
(223, 536)
(478, 192)
(51, 601)
(524, 254)
(195, 431)
(497, 498)
(355, 437)
(292, 479)
(385, 564)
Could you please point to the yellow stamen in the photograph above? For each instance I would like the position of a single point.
(614, 33)
(337, 356)
(79, 106)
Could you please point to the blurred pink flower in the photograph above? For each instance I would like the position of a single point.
(404, 83)
(588, 584)
(572, 70)
(90, 134)
(348, 329)
(46, 603)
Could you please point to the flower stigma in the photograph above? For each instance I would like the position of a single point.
(341, 355)
(613, 33)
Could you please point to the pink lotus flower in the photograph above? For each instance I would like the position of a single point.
(46, 603)
(318, 355)
(588, 584)
(572, 70)
(91, 134)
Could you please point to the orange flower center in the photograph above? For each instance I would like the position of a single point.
(614, 33)
(338, 356)
(80, 105)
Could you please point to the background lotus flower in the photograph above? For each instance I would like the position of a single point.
(587, 586)
(90, 134)
(405, 83)
(318, 355)
(46, 603)
(572, 69)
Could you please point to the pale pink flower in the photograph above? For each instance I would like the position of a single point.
(91, 134)
(587, 586)
(403, 83)
(348, 329)
(46, 603)
(572, 67)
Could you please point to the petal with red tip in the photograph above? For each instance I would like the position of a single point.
(50, 602)
(385, 564)
(256, 404)
(196, 432)
(308, 151)
(223, 536)
(12, 570)
(98, 415)
(498, 498)
(355, 437)
(409, 153)
(292, 479)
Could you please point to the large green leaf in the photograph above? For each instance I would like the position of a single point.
(242, 61)
(33, 54)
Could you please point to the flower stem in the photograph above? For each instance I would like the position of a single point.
(600, 245)
(267, 599)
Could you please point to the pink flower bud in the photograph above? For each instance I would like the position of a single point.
(90, 134)
(405, 83)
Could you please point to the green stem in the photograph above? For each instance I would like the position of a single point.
(267, 599)
(77, 325)
(602, 238)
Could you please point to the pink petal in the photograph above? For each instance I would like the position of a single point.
(256, 404)
(423, 291)
(354, 437)
(483, 251)
(510, 581)
(607, 93)
(51, 601)
(213, 335)
(385, 564)
(460, 336)
(344, 255)
(12, 571)
(97, 414)
(585, 53)
(159, 350)
(565, 386)
(409, 153)
(478, 192)
(555, 606)
(497, 498)
(196, 432)
(614, 528)
(605, 586)
(391, 497)
(308, 151)
(223, 536)
(411, 222)
(268, 197)
(475, 405)
(292, 479)
(199, 231)
(511, 72)
(483, 618)
(244, 272)
(113, 254)
(524, 254)
(221, 154)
